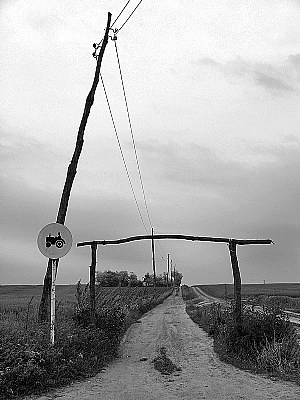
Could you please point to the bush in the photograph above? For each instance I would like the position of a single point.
(188, 293)
(264, 341)
(29, 364)
(281, 356)
(246, 339)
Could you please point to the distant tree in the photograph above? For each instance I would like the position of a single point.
(147, 280)
(161, 279)
(177, 278)
(117, 278)
(107, 278)
(133, 280)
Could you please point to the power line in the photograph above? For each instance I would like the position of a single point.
(120, 13)
(97, 45)
(135, 150)
(132, 137)
(122, 154)
(130, 16)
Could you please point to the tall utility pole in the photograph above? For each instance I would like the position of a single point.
(72, 169)
(168, 270)
(153, 259)
(168, 267)
(172, 273)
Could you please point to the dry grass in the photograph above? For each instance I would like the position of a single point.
(29, 364)
(265, 342)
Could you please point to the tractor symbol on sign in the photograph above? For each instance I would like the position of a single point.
(58, 241)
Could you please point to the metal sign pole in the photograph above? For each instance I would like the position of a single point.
(52, 304)
(54, 241)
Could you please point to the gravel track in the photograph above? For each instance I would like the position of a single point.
(203, 375)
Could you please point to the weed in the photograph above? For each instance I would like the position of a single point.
(29, 364)
(265, 341)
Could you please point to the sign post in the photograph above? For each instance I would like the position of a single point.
(52, 304)
(54, 241)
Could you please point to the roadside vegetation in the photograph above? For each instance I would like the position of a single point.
(265, 342)
(29, 364)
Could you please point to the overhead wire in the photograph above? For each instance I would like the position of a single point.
(134, 147)
(132, 137)
(122, 154)
(97, 45)
(120, 13)
(130, 125)
(130, 15)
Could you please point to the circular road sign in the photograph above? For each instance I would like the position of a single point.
(54, 240)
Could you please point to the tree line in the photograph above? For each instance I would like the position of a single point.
(123, 278)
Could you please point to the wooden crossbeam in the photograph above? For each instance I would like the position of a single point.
(240, 242)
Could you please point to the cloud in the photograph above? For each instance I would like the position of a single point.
(190, 190)
(220, 197)
(277, 78)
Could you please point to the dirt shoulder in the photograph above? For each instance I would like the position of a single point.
(202, 375)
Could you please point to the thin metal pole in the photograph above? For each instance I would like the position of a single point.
(54, 265)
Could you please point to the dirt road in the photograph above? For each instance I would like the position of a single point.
(203, 376)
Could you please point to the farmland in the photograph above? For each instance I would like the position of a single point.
(223, 291)
(29, 364)
(20, 294)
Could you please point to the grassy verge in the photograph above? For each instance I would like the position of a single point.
(266, 342)
(30, 365)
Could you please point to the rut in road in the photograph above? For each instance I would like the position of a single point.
(203, 375)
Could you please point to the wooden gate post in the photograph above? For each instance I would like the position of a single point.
(93, 283)
(236, 282)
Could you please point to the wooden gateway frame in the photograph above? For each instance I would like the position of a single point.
(232, 243)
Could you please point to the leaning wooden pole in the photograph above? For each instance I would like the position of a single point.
(72, 169)
(236, 282)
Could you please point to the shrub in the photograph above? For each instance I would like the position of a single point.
(281, 356)
(264, 341)
(29, 364)
(246, 339)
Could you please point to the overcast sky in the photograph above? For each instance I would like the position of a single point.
(213, 92)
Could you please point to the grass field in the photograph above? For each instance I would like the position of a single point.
(252, 290)
(22, 294)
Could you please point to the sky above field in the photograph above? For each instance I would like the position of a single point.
(213, 93)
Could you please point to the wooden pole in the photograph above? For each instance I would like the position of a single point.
(168, 270)
(153, 259)
(172, 284)
(72, 169)
(236, 282)
(93, 283)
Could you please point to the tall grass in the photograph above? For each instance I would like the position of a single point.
(29, 364)
(265, 341)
